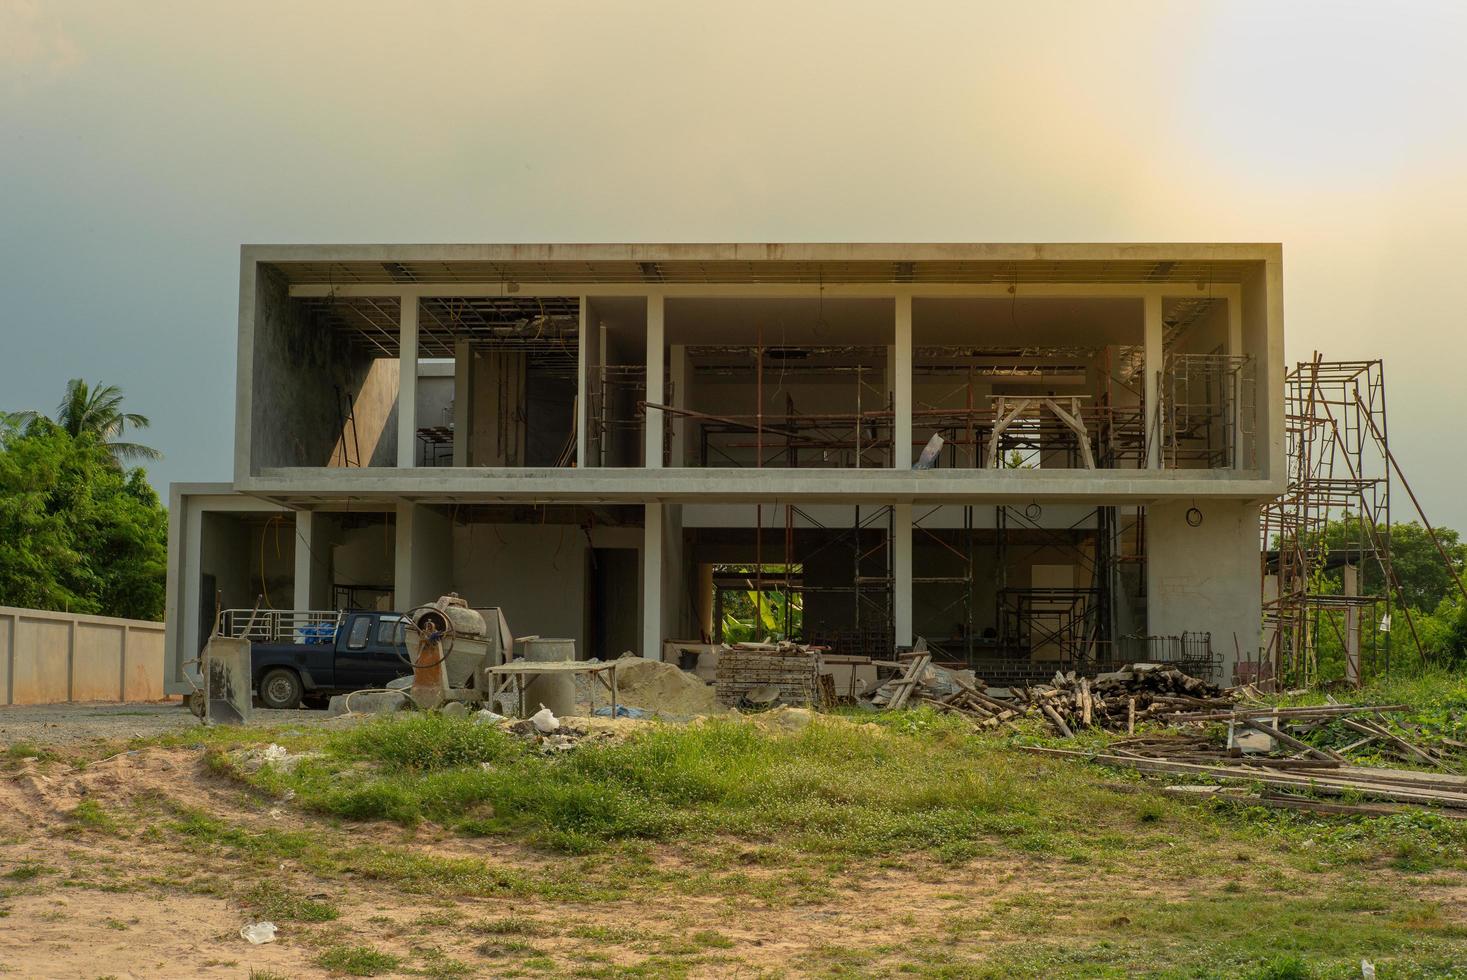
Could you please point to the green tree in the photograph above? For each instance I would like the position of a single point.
(77, 533)
(97, 411)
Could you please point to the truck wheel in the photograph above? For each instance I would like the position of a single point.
(280, 688)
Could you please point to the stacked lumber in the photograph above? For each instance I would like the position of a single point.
(791, 668)
(1285, 780)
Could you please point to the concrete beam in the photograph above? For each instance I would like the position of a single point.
(407, 384)
(759, 290)
(878, 485)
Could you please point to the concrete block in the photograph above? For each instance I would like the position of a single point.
(372, 702)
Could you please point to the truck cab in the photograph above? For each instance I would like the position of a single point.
(296, 657)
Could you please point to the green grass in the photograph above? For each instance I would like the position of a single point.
(28, 750)
(913, 781)
(28, 871)
(358, 961)
(91, 815)
(272, 901)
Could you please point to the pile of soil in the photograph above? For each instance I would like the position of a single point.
(664, 689)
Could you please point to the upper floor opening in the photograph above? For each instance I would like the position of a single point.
(1016, 365)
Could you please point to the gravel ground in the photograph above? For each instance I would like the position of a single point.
(76, 724)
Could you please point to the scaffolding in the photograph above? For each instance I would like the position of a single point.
(1334, 515)
(1341, 473)
(1207, 403)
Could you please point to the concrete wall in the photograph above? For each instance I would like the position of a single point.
(365, 555)
(1206, 578)
(304, 375)
(47, 657)
(536, 573)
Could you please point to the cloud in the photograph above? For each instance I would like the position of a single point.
(34, 49)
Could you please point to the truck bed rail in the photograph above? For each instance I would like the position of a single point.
(282, 625)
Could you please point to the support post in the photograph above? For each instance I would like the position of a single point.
(1151, 307)
(901, 573)
(584, 363)
(304, 543)
(1235, 350)
(679, 370)
(652, 581)
(652, 456)
(1352, 626)
(463, 400)
(407, 383)
(901, 432)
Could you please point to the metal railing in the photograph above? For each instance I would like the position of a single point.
(281, 625)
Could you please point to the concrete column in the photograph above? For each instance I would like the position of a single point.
(655, 382)
(463, 400)
(304, 525)
(1151, 308)
(407, 384)
(901, 571)
(423, 558)
(584, 362)
(901, 370)
(1351, 574)
(1235, 349)
(652, 582)
(680, 376)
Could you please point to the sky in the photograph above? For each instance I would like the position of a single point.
(142, 142)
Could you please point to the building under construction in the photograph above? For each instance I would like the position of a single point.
(1030, 456)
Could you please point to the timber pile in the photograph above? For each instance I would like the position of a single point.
(1294, 783)
(1120, 700)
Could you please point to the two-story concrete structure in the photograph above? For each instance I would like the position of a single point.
(609, 440)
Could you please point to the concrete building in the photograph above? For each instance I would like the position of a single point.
(609, 441)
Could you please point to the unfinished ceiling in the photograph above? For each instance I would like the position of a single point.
(547, 325)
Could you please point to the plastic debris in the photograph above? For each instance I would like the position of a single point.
(257, 933)
(544, 721)
(1367, 970)
(622, 711)
(486, 717)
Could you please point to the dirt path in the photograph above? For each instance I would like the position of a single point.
(71, 725)
(83, 900)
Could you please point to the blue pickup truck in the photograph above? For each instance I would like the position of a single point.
(366, 649)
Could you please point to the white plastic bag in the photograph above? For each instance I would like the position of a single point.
(544, 721)
(258, 932)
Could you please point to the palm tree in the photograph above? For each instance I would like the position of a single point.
(98, 412)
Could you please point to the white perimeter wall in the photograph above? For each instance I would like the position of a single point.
(46, 657)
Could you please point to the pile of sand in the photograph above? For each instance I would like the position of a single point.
(664, 689)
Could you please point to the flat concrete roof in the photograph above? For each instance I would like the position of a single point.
(1222, 262)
